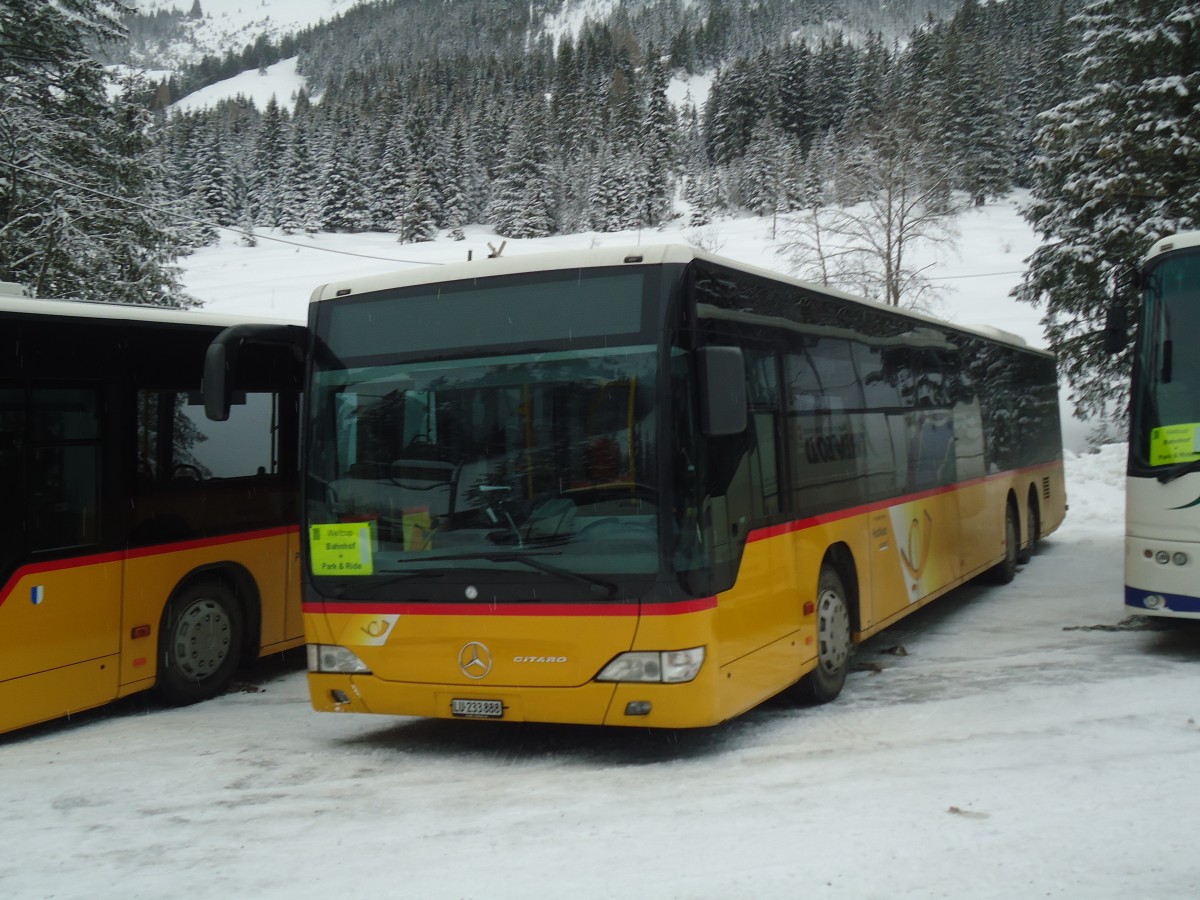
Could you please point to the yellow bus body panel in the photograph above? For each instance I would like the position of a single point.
(57, 692)
(55, 617)
(79, 633)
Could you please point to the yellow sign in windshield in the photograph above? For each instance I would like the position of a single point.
(1175, 444)
(343, 549)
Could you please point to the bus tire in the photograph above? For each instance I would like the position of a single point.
(200, 642)
(825, 682)
(1005, 570)
(1033, 528)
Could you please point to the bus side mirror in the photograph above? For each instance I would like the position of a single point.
(221, 360)
(722, 373)
(217, 384)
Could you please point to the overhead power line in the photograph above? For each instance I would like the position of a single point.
(974, 275)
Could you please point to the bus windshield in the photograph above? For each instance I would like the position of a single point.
(1165, 433)
(522, 461)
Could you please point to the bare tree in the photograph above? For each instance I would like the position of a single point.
(892, 196)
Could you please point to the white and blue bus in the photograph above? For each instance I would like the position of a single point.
(1162, 507)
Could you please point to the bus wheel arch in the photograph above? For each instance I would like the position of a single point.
(206, 625)
(837, 611)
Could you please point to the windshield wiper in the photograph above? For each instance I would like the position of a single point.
(531, 560)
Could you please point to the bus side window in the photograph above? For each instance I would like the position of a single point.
(64, 477)
(181, 456)
(825, 423)
(762, 388)
(884, 435)
(177, 443)
(931, 427)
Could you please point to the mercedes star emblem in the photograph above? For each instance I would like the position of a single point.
(475, 660)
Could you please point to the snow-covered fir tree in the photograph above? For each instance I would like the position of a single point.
(78, 174)
(521, 202)
(1116, 168)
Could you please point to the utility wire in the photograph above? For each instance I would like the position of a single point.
(62, 182)
(264, 237)
(975, 275)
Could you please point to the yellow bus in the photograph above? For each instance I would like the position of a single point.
(644, 486)
(140, 544)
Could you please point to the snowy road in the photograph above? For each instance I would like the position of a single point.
(1013, 741)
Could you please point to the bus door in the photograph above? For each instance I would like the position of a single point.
(59, 597)
(885, 448)
(762, 607)
(924, 525)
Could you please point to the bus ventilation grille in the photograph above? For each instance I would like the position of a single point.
(1045, 488)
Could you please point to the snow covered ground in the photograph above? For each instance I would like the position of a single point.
(1018, 741)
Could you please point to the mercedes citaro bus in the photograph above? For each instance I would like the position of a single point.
(642, 486)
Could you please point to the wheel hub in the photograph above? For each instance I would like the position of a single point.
(833, 631)
(203, 638)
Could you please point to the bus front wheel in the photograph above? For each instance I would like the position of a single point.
(824, 683)
(199, 643)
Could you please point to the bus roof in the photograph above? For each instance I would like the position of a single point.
(83, 309)
(596, 257)
(1180, 241)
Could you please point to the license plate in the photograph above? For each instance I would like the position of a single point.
(477, 709)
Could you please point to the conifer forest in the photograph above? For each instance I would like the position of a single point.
(424, 116)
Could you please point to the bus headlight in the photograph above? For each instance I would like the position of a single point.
(668, 667)
(332, 658)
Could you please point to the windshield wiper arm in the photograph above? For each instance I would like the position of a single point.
(592, 581)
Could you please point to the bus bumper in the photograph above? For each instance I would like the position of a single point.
(1161, 603)
(1161, 578)
(689, 705)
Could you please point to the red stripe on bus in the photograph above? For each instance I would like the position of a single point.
(97, 559)
(377, 608)
(826, 518)
(681, 607)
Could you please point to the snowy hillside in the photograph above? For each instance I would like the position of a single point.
(231, 24)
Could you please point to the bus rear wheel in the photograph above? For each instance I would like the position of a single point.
(199, 643)
(825, 682)
(1005, 570)
(1033, 529)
